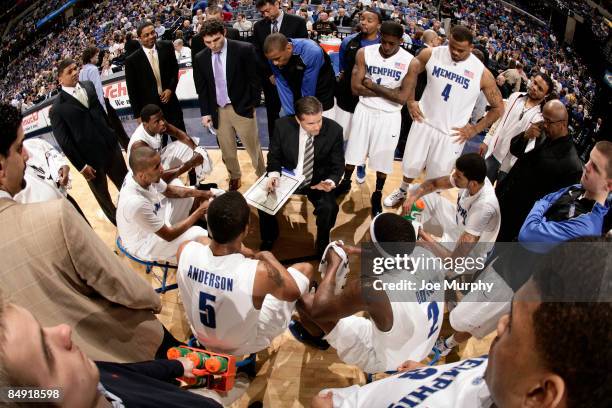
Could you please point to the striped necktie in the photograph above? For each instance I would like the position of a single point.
(308, 161)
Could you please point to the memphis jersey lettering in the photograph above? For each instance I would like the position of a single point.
(387, 72)
(452, 90)
(210, 279)
(438, 383)
(382, 71)
(440, 72)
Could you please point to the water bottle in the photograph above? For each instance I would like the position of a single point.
(415, 212)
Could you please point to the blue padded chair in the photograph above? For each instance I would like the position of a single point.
(149, 265)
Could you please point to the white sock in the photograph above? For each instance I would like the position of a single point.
(404, 186)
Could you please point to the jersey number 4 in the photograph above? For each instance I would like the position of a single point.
(446, 92)
(207, 311)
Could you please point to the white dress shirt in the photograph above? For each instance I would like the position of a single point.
(147, 52)
(279, 20)
(72, 91)
(299, 169)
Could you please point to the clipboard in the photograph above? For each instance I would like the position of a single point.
(257, 195)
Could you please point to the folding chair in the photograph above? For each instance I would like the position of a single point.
(149, 265)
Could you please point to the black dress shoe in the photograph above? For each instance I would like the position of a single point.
(301, 334)
(266, 245)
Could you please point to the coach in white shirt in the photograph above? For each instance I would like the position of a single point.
(154, 218)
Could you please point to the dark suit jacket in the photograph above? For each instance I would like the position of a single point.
(242, 80)
(140, 79)
(131, 46)
(197, 41)
(83, 133)
(292, 26)
(551, 165)
(328, 149)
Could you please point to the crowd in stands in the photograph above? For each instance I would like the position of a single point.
(507, 36)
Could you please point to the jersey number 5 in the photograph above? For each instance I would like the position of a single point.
(446, 92)
(207, 312)
(433, 312)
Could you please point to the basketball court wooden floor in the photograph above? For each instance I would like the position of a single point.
(289, 374)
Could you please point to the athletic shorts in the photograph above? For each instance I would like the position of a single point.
(175, 210)
(428, 148)
(352, 339)
(176, 153)
(374, 136)
(479, 311)
(343, 118)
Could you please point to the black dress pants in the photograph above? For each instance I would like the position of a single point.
(116, 170)
(326, 211)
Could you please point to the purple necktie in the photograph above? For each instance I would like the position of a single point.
(220, 84)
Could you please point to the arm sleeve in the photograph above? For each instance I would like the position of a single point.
(518, 145)
(253, 78)
(201, 86)
(144, 216)
(337, 158)
(56, 160)
(64, 138)
(275, 152)
(478, 220)
(284, 92)
(313, 59)
(174, 69)
(91, 74)
(341, 52)
(301, 31)
(130, 81)
(537, 229)
(100, 269)
(164, 370)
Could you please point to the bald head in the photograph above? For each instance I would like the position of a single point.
(140, 158)
(275, 42)
(429, 37)
(556, 109)
(555, 119)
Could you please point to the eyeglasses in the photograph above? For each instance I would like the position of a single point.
(550, 122)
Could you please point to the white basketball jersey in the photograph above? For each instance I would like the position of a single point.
(452, 90)
(457, 385)
(416, 327)
(140, 134)
(388, 72)
(417, 314)
(217, 292)
(469, 206)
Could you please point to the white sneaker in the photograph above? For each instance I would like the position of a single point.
(394, 198)
(343, 270)
(205, 168)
